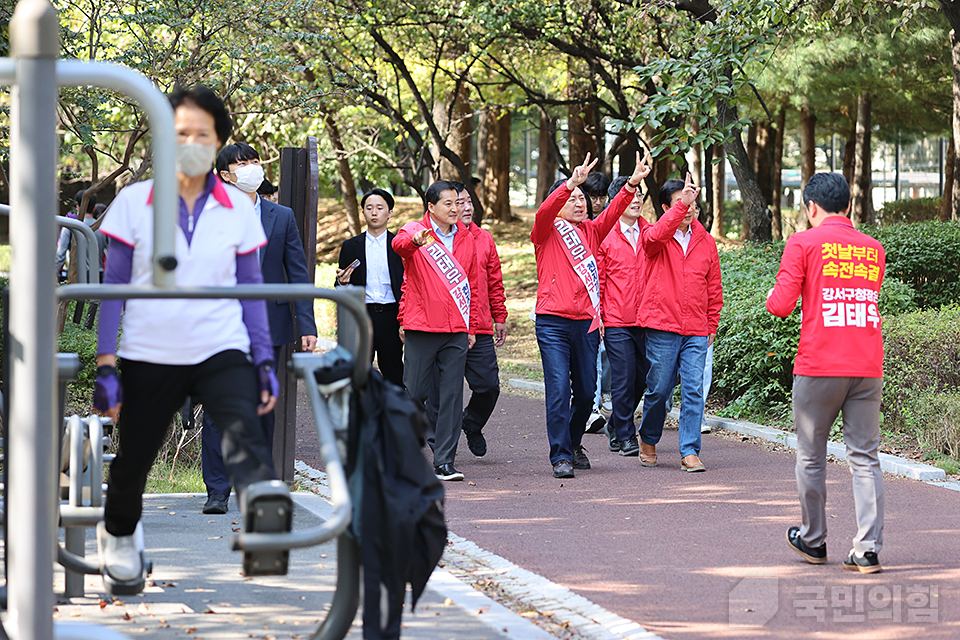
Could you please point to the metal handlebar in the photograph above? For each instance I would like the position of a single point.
(86, 243)
(343, 297)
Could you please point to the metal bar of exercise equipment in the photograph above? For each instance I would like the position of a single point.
(34, 74)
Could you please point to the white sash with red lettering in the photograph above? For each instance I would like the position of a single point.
(583, 263)
(451, 274)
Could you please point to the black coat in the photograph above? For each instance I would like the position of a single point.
(356, 248)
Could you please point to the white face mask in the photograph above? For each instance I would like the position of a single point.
(249, 178)
(195, 159)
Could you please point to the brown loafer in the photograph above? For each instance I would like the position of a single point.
(692, 464)
(648, 454)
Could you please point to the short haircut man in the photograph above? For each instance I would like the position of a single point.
(839, 366)
(438, 314)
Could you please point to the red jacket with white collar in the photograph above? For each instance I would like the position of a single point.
(622, 277)
(838, 272)
(489, 296)
(426, 304)
(683, 293)
(559, 290)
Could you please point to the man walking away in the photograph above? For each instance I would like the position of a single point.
(839, 367)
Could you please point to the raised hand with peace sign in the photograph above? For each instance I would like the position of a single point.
(580, 173)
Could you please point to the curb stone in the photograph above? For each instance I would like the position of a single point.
(889, 463)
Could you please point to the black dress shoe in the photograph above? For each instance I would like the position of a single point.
(563, 469)
(580, 459)
(476, 443)
(613, 443)
(813, 555)
(867, 563)
(216, 504)
(447, 472)
(629, 447)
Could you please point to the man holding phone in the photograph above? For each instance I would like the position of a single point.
(369, 261)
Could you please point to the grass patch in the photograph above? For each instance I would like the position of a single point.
(167, 478)
(5, 258)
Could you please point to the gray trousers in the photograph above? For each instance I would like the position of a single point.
(816, 404)
(447, 352)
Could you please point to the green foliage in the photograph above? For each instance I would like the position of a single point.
(925, 256)
(83, 342)
(753, 361)
(922, 375)
(909, 210)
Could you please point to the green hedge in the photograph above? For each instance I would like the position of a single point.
(925, 256)
(909, 210)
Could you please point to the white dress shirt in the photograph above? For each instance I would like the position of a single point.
(632, 233)
(378, 289)
(684, 238)
(447, 240)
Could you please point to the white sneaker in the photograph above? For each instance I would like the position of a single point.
(595, 423)
(705, 428)
(121, 555)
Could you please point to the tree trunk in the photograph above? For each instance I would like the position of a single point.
(547, 162)
(808, 155)
(719, 194)
(753, 143)
(695, 155)
(952, 10)
(493, 163)
(766, 140)
(850, 155)
(707, 220)
(453, 121)
(775, 202)
(946, 201)
(581, 119)
(754, 206)
(862, 211)
(628, 154)
(347, 186)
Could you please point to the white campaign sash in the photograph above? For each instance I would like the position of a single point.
(445, 265)
(583, 263)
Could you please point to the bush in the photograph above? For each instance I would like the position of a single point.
(83, 342)
(925, 256)
(921, 360)
(909, 210)
(935, 418)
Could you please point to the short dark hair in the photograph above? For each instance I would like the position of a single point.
(99, 209)
(556, 185)
(829, 190)
(561, 181)
(91, 203)
(459, 186)
(234, 153)
(595, 185)
(669, 188)
(267, 188)
(204, 98)
(432, 196)
(377, 192)
(615, 185)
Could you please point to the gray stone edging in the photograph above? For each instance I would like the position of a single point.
(889, 463)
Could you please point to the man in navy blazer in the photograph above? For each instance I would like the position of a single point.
(282, 260)
(369, 261)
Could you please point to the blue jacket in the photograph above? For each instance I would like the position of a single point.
(281, 261)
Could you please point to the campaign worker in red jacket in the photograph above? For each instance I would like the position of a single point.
(568, 308)
(439, 323)
(680, 310)
(622, 274)
(839, 367)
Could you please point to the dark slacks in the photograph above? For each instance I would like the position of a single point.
(437, 360)
(226, 384)
(483, 377)
(568, 351)
(626, 349)
(386, 340)
(215, 475)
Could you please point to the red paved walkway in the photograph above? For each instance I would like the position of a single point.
(666, 548)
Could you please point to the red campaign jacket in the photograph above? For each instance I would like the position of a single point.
(559, 290)
(490, 298)
(683, 293)
(426, 304)
(622, 277)
(838, 272)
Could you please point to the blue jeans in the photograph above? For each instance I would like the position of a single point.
(569, 357)
(667, 354)
(625, 348)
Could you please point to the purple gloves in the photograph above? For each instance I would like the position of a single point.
(107, 391)
(268, 378)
